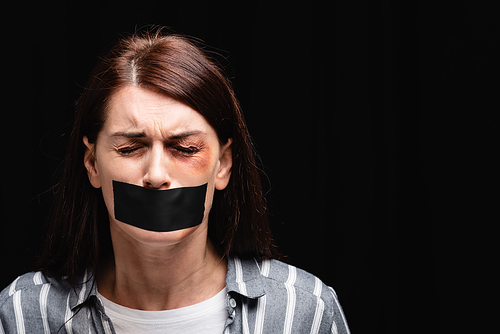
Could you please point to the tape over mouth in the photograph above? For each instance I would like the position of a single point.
(159, 210)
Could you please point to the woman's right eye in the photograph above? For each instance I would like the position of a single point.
(128, 150)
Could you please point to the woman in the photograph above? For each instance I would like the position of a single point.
(159, 222)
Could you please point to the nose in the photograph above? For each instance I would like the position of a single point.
(156, 175)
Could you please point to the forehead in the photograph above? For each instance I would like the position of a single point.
(134, 108)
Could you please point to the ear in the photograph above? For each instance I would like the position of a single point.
(225, 164)
(89, 160)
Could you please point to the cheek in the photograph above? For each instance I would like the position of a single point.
(209, 200)
(107, 186)
(111, 168)
(197, 171)
(201, 162)
(199, 168)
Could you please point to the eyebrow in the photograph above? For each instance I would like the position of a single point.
(129, 134)
(185, 134)
(132, 135)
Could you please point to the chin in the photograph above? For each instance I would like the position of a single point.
(152, 238)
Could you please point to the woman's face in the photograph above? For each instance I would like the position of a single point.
(154, 141)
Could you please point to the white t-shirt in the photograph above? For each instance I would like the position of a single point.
(206, 317)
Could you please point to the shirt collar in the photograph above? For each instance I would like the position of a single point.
(243, 277)
(85, 288)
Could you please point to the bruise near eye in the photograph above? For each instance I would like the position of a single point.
(187, 146)
(187, 150)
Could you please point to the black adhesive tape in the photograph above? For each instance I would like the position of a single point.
(159, 210)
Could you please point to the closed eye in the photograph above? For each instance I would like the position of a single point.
(128, 150)
(187, 150)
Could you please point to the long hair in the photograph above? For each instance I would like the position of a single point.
(78, 234)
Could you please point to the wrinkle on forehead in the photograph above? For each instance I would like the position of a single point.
(135, 109)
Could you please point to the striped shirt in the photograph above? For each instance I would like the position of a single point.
(262, 297)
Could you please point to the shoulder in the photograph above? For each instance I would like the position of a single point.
(30, 285)
(305, 285)
(313, 299)
(277, 277)
(284, 273)
(21, 302)
(293, 298)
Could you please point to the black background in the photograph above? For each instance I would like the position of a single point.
(376, 122)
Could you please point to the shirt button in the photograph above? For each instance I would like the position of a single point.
(232, 302)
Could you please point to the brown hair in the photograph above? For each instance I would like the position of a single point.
(78, 231)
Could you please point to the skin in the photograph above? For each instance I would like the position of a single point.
(154, 141)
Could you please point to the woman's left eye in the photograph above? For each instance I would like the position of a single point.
(187, 150)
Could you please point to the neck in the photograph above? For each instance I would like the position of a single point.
(153, 278)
